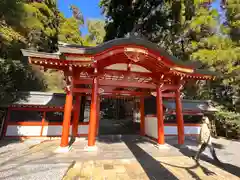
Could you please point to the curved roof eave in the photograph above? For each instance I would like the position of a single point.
(31, 53)
(118, 42)
(124, 41)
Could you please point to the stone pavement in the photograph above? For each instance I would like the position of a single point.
(125, 157)
(134, 157)
(179, 167)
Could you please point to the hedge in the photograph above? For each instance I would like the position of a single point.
(227, 124)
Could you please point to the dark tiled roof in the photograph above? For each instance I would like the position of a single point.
(191, 105)
(42, 99)
(58, 100)
(123, 41)
(76, 49)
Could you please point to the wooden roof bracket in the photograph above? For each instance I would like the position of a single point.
(69, 79)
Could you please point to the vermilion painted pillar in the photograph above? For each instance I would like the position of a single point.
(66, 119)
(98, 115)
(76, 114)
(93, 113)
(179, 117)
(142, 117)
(160, 124)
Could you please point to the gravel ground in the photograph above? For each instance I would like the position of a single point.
(35, 172)
(19, 162)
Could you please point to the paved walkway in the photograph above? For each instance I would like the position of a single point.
(179, 167)
(127, 157)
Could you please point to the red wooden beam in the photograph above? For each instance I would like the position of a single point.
(49, 66)
(169, 87)
(116, 83)
(128, 73)
(110, 92)
(82, 81)
(81, 90)
(121, 83)
(132, 93)
(166, 95)
(124, 96)
(126, 84)
(36, 108)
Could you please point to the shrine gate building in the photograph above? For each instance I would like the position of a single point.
(120, 67)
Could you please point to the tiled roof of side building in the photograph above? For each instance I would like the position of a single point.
(58, 100)
(191, 105)
(39, 99)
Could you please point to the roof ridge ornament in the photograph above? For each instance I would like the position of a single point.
(135, 54)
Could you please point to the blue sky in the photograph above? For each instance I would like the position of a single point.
(216, 5)
(89, 8)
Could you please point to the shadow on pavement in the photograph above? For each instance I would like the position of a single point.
(5, 141)
(192, 173)
(218, 146)
(72, 140)
(155, 169)
(224, 166)
(151, 166)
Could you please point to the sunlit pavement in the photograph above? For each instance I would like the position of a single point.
(178, 167)
(118, 157)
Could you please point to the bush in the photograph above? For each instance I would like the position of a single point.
(227, 124)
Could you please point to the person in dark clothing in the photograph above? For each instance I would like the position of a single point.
(205, 140)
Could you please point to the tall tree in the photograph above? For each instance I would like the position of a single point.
(68, 32)
(69, 28)
(149, 18)
(96, 31)
(232, 8)
(16, 75)
(189, 29)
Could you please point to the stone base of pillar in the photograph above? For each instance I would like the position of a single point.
(90, 148)
(162, 146)
(63, 149)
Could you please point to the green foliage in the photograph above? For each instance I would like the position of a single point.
(55, 81)
(227, 124)
(10, 38)
(24, 25)
(38, 25)
(192, 30)
(69, 28)
(96, 31)
(148, 18)
(233, 18)
(69, 31)
(16, 77)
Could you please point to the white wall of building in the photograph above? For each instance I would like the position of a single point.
(56, 130)
(151, 128)
(20, 130)
(51, 130)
